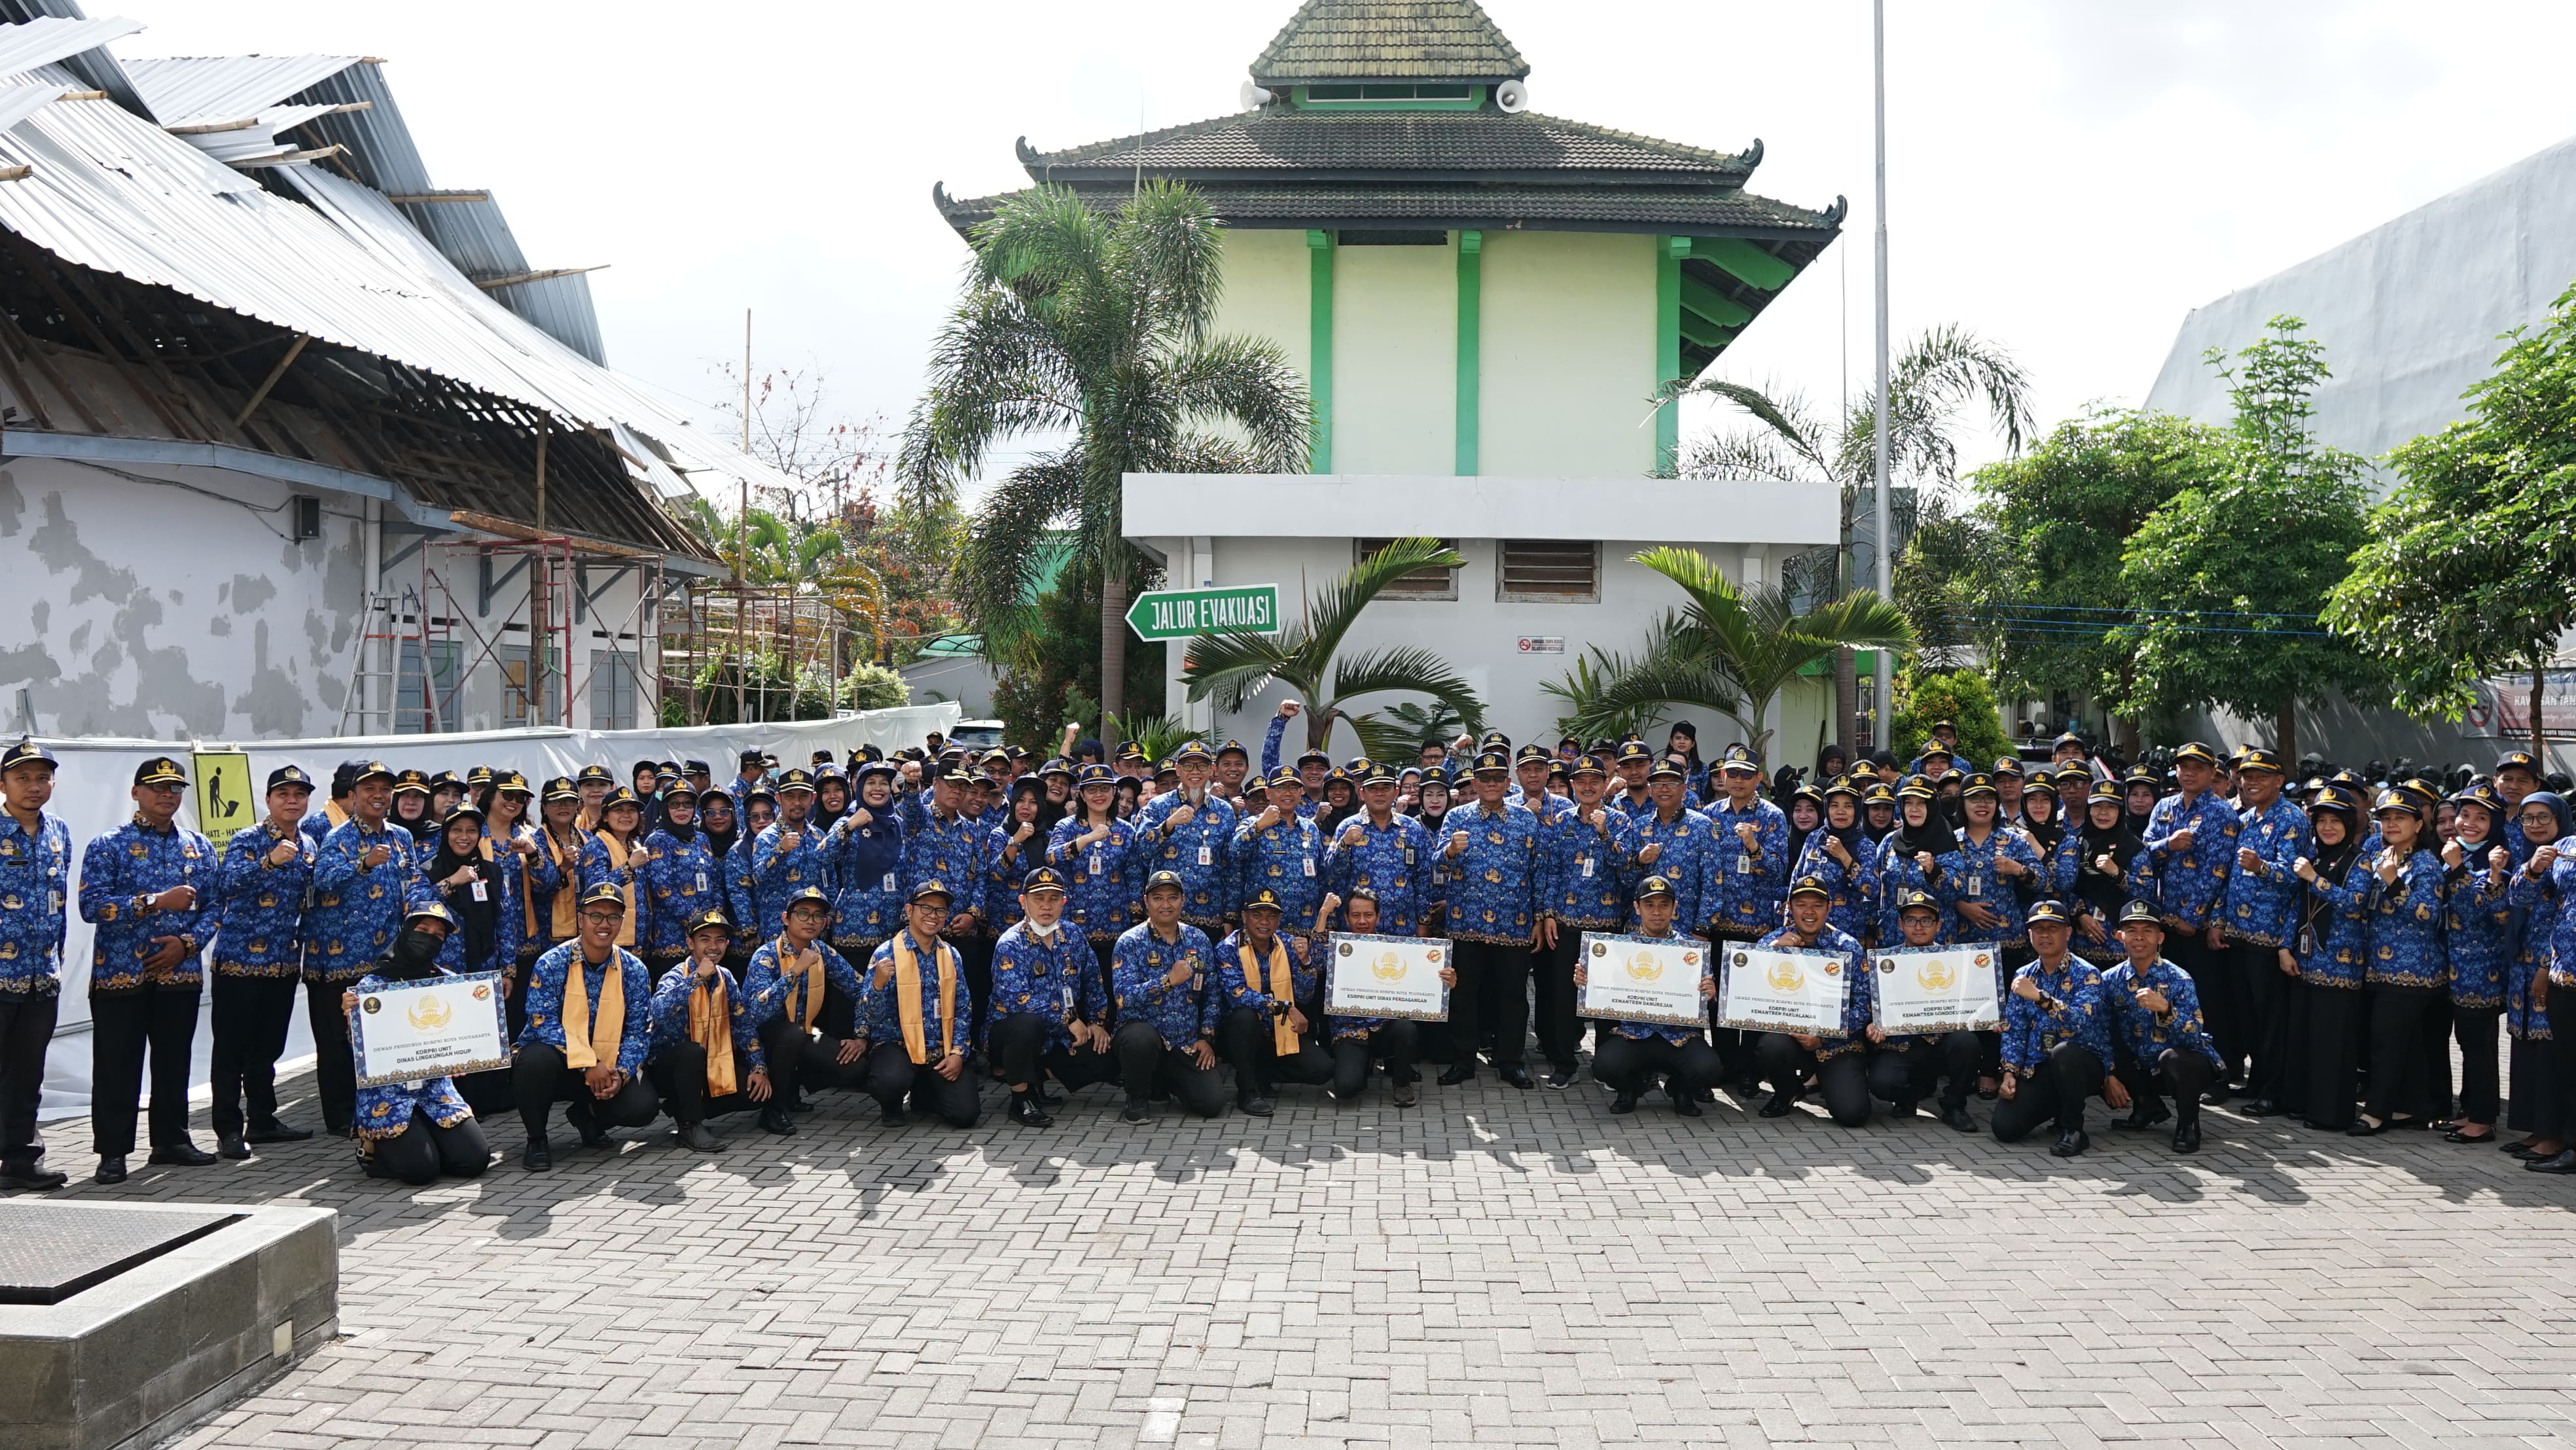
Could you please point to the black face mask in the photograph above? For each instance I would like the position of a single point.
(417, 951)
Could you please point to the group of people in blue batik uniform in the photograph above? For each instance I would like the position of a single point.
(917, 927)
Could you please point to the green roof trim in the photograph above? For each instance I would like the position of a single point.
(1440, 40)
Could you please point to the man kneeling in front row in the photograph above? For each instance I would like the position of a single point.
(1268, 985)
(707, 1057)
(590, 1024)
(1167, 1007)
(2055, 1039)
(917, 985)
(1633, 1053)
(1046, 1011)
(2157, 1033)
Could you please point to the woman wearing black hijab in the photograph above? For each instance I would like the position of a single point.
(2333, 938)
(468, 881)
(718, 823)
(2111, 870)
(1910, 858)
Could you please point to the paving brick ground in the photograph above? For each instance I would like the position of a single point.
(1494, 1267)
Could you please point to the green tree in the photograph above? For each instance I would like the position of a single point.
(2227, 578)
(1307, 655)
(1052, 673)
(1727, 649)
(2470, 569)
(1933, 383)
(871, 686)
(1965, 699)
(1098, 326)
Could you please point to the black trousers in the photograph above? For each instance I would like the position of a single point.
(2481, 1073)
(2558, 1094)
(893, 1075)
(1951, 1063)
(1495, 975)
(1843, 1081)
(26, 1031)
(1631, 1064)
(1245, 1039)
(2325, 1028)
(1103, 950)
(335, 1069)
(1393, 1043)
(679, 1075)
(124, 1027)
(2056, 1092)
(423, 1150)
(2183, 1075)
(1018, 1043)
(1892, 1076)
(251, 1018)
(1145, 1064)
(2436, 1027)
(1560, 1031)
(540, 1078)
(2536, 1107)
(2215, 980)
(799, 1060)
(975, 959)
(2400, 1078)
(2268, 993)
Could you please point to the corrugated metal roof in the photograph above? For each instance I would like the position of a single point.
(193, 89)
(114, 192)
(471, 232)
(51, 38)
(17, 103)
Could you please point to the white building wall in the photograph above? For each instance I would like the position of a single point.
(1567, 360)
(1395, 359)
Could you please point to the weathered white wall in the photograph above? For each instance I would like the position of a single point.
(1267, 290)
(1395, 359)
(1568, 354)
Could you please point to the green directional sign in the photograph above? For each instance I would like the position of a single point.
(1181, 613)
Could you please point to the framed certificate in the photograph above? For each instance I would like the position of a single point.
(1782, 989)
(1644, 979)
(1386, 976)
(1937, 989)
(442, 1027)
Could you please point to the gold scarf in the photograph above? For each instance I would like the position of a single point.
(617, 859)
(711, 1027)
(567, 890)
(1282, 988)
(907, 1004)
(584, 1046)
(809, 992)
(336, 813)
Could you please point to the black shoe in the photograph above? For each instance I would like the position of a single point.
(1558, 1078)
(1778, 1106)
(2261, 1108)
(586, 1122)
(2214, 1098)
(1518, 1076)
(2072, 1142)
(800, 1106)
(699, 1137)
(1135, 1111)
(894, 1116)
(2561, 1163)
(181, 1155)
(1407, 1094)
(1049, 1098)
(2144, 1116)
(1461, 1072)
(1958, 1118)
(2365, 1128)
(111, 1169)
(368, 1167)
(1687, 1104)
(33, 1180)
(233, 1148)
(1026, 1112)
(775, 1120)
(276, 1133)
(536, 1157)
(1253, 1104)
(1623, 1101)
(2186, 1137)
(1900, 1110)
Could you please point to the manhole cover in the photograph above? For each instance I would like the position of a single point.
(51, 1251)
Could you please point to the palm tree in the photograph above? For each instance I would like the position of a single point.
(1728, 649)
(1232, 668)
(1096, 325)
(1931, 383)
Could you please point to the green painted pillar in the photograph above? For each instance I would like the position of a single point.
(1669, 252)
(1471, 317)
(1319, 371)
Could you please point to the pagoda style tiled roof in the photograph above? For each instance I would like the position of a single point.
(1482, 145)
(1500, 207)
(1435, 40)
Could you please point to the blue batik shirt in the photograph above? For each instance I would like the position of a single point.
(671, 1017)
(1393, 860)
(2143, 1034)
(1194, 851)
(1854, 904)
(35, 886)
(1747, 884)
(2406, 947)
(1100, 890)
(792, 993)
(118, 872)
(2070, 1010)
(546, 984)
(951, 851)
(1583, 873)
(881, 1010)
(2262, 900)
(865, 864)
(681, 881)
(2337, 955)
(1183, 1015)
(2480, 910)
(1681, 856)
(357, 909)
(1054, 976)
(1971, 874)
(1285, 858)
(779, 872)
(1007, 863)
(2190, 882)
(1492, 892)
(1251, 993)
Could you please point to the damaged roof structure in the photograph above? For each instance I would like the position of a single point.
(221, 271)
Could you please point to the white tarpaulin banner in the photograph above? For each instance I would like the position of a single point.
(93, 794)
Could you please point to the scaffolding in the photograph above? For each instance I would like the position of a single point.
(744, 651)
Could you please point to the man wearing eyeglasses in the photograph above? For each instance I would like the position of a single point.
(590, 1024)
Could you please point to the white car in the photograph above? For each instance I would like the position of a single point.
(976, 734)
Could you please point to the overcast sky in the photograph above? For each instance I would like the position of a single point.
(2066, 177)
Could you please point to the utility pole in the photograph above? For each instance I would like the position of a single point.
(1885, 703)
(742, 535)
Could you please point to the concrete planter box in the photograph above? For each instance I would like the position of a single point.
(156, 1345)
